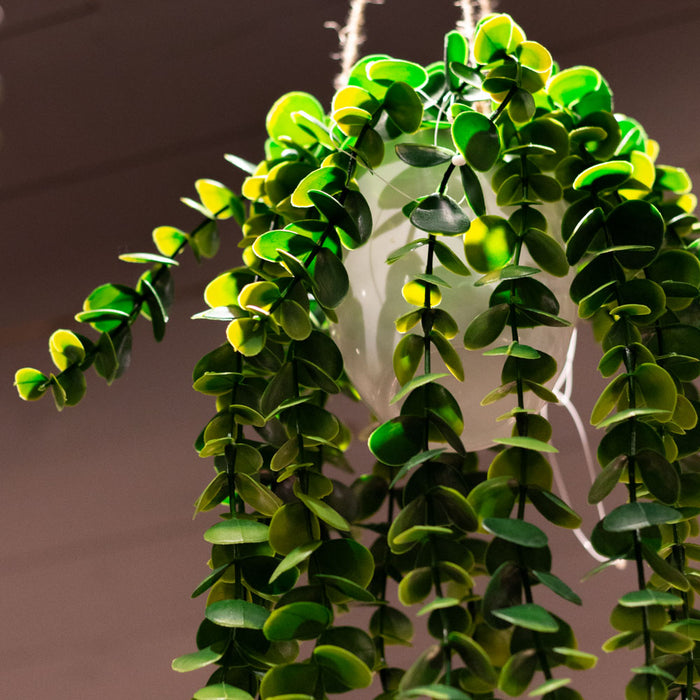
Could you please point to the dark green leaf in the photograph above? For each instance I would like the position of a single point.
(439, 213)
(237, 613)
(516, 531)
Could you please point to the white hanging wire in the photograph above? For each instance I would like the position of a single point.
(562, 389)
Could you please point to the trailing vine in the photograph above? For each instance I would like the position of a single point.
(508, 144)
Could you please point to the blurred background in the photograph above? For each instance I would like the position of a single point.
(110, 111)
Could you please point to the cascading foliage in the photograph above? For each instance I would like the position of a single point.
(294, 547)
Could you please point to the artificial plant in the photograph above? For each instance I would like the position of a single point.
(431, 523)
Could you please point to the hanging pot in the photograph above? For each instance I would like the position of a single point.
(366, 334)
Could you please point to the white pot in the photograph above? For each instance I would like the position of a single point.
(366, 334)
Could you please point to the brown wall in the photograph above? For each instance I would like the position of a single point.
(111, 110)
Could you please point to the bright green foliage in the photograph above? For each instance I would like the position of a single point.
(286, 558)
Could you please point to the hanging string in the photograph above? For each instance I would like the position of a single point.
(351, 37)
(472, 13)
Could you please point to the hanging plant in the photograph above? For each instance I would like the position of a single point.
(448, 223)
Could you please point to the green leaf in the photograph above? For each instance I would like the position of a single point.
(608, 399)
(528, 443)
(529, 616)
(403, 105)
(449, 260)
(549, 687)
(280, 123)
(638, 515)
(415, 383)
(322, 510)
(338, 216)
(415, 461)
(247, 335)
(217, 198)
(210, 580)
(148, 258)
(421, 155)
(606, 481)
(496, 36)
(237, 613)
(438, 691)
(517, 672)
(439, 213)
(397, 440)
(546, 252)
(295, 557)
(169, 240)
(156, 309)
(299, 620)
(390, 70)
(477, 139)
(489, 243)
(638, 223)
(472, 190)
(556, 585)
(659, 476)
(221, 691)
(448, 354)
(647, 597)
(257, 496)
(342, 665)
(294, 319)
(69, 386)
(31, 383)
(404, 249)
(328, 179)
(583, 235)
(516, 531)
(237, 531)
(486, 327)
(198, 659)
(332, 283)
(657, 388)
(213, 494)
(415, 586)
(268, 245)
(604, 176)
(554, 509)
(115, 302)
(407, 357)
(667, 572)
(106, 360)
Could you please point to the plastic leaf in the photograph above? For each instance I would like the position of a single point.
(280, 124)
(556, 585)
(638, 515)
(486, 327)
(31, 383)
(477, 139)
(439, 213)
(236, 531)
(299, 620)
(342, 665)
(237, 613)
(246, 335)
(198, 659)
(516, 531)
(221, 691)
(530, 616)
(331, 279)
(421, 155)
